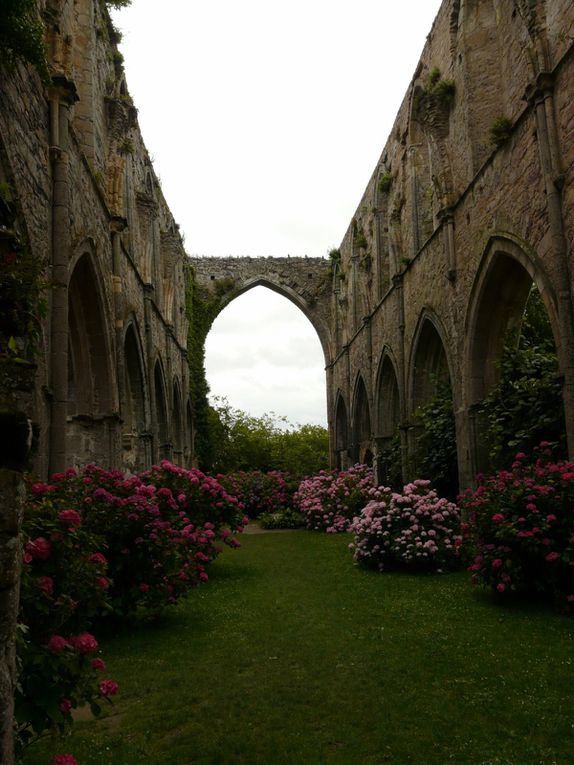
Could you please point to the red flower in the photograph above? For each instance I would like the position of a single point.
(57, 643)
(497, 518)
(108, 687)
(552, 556)
(46, 583)
(500, 587)
(64, 759)
(65, 706)
(84, 643)
(98, 558)
(98, 664)
(496, 563)
(102, 582)
(38, 548)
(72, 517)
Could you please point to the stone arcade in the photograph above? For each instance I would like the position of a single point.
(450, 235)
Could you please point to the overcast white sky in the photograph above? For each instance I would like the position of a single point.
(265, 119)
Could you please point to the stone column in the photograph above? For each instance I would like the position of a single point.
(542, 96)
(63, 94)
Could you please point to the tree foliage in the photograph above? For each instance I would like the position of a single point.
(241, 441)
(525, 407)
(436, 457)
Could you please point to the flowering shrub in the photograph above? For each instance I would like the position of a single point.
(160, 528)
(415, 529)
(260, 492)
(97, 542)
(330, 499)
(63, 587)
(521, 524)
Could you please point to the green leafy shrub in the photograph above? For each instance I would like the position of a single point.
(526, 406)
(521, 528)
(436, 455)
(282, 519)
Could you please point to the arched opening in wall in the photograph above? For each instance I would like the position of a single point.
(515, 390)
(163, 447)
(133, 410)
(177, 426)
(388, 439)
(362, 436)
(433, 433)
(89, 378)
(341, 434)
(264, 356)
(188, 451)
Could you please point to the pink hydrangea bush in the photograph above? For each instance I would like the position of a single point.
(260, 492)
(416, 529)
(330, 499)
(521, 527)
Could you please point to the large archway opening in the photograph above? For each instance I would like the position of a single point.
(514, 387)
(264, 355)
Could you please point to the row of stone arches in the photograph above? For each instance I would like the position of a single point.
(124, 405)
(465, 359)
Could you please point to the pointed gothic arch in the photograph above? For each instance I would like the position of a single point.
(163, 444)
(361, 424)
(506, 276)
(341, 432)
(90, 388)
(134, 408)
(177, 427)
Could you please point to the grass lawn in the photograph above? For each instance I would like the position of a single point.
(291, 655)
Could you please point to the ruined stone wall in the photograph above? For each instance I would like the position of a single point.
(441, 252)
(112, 374)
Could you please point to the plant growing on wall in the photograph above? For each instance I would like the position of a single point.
(385, 182)
(500, 131)
(22, 35)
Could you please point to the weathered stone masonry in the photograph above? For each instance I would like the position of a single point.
(452, 231)
(112, 374)
(437, 262)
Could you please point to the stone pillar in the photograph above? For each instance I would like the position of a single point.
(541, 94)
(62, 96)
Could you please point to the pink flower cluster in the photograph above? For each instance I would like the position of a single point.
(260, 492)
(414, 529)
(330, 499)
(521, 526)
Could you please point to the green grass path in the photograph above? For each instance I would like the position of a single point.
(291, 655)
